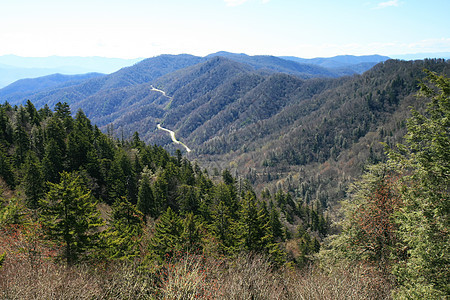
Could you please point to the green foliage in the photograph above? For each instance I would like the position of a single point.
(12, 212)
(33, 180)
(2, 259)
(6, 170)
(424, 217)
(69, 216)
(146, 201)
(369, 232)
(166, 240)
(124, 234)
(80, 163)
(192, 236)
(398, 214)
(253, 230)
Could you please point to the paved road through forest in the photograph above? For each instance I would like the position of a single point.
(172, 135)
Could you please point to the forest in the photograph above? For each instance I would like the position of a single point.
(88, 215)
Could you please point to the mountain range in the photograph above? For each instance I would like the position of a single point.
(278, 122)
(13, 67)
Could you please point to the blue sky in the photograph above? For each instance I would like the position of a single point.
(145, 28)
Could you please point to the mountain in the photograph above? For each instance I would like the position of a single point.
(10, 74)
(308, 136)
(24, 88)
(444, 55)
(311, 143)
(311, 137)
(13, 68)
(150, 69)
(342, 64)
(276, 64)
(142, 72)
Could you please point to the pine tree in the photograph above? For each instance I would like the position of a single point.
(33, 180)
(253, 227)
(62, 111)
(424, 218)
(223, 228)
(191, 237)
(52, 163)
(166, 240)
(275, 224)
(369, 232)
(146, 200)
(22, 142)
(188, 199)
(32, 113)
(124, 234)
(6, 171)
(69, 216)
(115, 183)
(6, 131)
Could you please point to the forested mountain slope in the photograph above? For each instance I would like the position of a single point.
(142, 72)
(150, 69)
(309, 136)
(23, 88)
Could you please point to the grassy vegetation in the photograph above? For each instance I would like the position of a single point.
(189, 277)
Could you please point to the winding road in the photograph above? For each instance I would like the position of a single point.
(160, 91)
(172, 135)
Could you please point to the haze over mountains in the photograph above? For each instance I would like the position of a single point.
(13, 67)
(301, 126)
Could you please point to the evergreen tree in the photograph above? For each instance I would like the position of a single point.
(32, 113)
(167, 240)
(52, 163)
(223, 228)
(79, 141)
(275, 224)
(188, 199)
(424, 218)
(62, 111)
(33, 180)
(6, 131)
(45, 112)
(253, 226)
(55, 131)
(69, 216)
(22, 142)
(115, 183)
(369, 232)
(146, 201)
(6, 170)
(191, 238)
(124, 234)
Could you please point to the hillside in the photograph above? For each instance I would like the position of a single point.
(308, 136)
(87, 209)
(148, 70)
(23, 88)
(13, 67)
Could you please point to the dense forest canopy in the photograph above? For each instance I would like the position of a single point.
(62, 169)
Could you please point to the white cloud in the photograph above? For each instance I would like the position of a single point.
(388, 4)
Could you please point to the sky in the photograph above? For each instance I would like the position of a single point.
(147, 28)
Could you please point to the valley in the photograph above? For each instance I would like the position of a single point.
(280, 124)
(290, 167)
